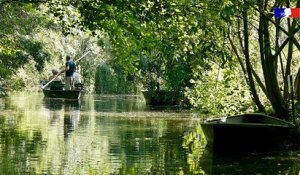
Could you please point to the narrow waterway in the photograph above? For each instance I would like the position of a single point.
(115, 135)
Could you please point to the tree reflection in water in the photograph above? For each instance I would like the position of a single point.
(115, 135)
(102, 135)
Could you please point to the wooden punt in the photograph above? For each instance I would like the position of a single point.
(245, 133)
(57, 91)
(67, 94)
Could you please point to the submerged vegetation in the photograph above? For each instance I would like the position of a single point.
(226, 57)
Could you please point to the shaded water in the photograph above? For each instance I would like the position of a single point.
(114, 135)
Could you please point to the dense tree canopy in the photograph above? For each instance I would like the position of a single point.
(192, 30)
(16, 44)
(177, 44)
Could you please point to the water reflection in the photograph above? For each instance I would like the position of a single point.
(98, 135)
(114, 135)
(118, 103)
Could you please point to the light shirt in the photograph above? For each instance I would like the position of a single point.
(76, 78)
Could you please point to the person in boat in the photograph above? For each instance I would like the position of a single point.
(70, 68)
(55, 76)
(57, 82)
(77, 80)
(76, 77)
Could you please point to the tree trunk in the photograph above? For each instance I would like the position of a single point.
(269, 69)
(248, 63)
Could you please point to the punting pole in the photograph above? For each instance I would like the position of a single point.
(60, 72)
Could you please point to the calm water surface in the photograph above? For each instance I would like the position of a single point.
(115, 135)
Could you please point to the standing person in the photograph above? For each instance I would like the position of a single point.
(70, 69)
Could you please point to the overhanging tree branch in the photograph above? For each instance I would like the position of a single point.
(277, 25)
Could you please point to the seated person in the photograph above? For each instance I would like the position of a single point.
(76, 77)
(56, 84)
(76, 80)
(54, 73)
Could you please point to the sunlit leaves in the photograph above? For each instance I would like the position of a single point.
(18, 22)
(220, 91)
(34, 50)
(174, 36)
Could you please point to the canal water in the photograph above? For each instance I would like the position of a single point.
(119, 134)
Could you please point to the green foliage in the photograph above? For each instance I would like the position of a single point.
(32, 44)
(220, 91)
(103, 80)
(178, 77)
(17, 46)
(79, 44)
(165, 43)
(159, 31)
(195, 143)
(113, 81)
(151, 73)
(34, 50)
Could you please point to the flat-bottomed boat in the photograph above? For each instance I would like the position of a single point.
(246, 133)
